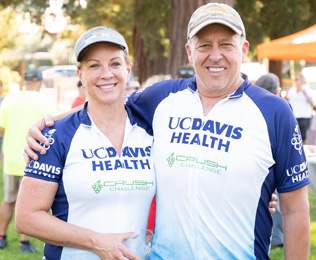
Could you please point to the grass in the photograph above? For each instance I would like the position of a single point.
(278, 254)
(11, 251)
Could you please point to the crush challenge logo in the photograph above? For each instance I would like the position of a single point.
(122, 185)
(196, 163)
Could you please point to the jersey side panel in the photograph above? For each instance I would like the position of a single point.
(290, 170)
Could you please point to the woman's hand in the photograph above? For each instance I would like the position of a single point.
(110, 247)
(33, 218)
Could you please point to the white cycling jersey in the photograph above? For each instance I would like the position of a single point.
(216, 173)
(98, 189)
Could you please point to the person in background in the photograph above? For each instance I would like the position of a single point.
(300, 98)
(18, 111)
(154, 79)
(1, 92)
(81, 98)
(185, 72)
(221, 147)
(98, 178)
(1, 136)
(271, 82)
(132, 86)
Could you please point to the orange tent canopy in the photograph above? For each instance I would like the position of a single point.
(297, 46)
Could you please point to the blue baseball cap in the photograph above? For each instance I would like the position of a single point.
(102, 35)
(33, 75)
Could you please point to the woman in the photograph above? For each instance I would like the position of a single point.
(300, 98)
(97, 175)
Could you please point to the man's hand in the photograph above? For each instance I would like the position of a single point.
(34, 136)
(273, 203)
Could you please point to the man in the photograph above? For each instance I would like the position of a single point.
(221, 142)
(185, 72)
(271, 83)
(18, 111)
(221, 147)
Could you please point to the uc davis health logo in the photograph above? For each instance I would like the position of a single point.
(171, 159)
(296, 140)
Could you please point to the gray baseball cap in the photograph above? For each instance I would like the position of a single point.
(102, 35)
(269, 82)
(215, 13)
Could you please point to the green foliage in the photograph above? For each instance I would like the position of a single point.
(312, 205)
(150, 17)
(35, 7)
(264, 19)
(270, 19)
(9, 30)
(281, 18)
(250, 14)
(12, 249)
(9, 39)
(8, 77)
(152, 20)
(117, 14)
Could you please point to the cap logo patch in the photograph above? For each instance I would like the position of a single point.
(214, 9)
(90, 37)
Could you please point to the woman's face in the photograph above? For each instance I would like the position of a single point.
(104, 73)
(299, 81)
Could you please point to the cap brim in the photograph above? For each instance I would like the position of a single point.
(97, 40)
(218, 21)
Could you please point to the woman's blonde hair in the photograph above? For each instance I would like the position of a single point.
(301, 76)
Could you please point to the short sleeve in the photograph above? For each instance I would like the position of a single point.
(49, 167)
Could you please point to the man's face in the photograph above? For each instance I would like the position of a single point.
(216, 53)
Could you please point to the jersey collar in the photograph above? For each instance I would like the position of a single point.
(85, 119)
(83, 115)
(238, 93)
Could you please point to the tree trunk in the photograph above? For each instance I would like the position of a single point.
(141, 63)
(145, 65)
(180, 14)
(275, 66)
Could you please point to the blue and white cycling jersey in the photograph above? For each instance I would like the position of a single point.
(98, 189)
(216, 173)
